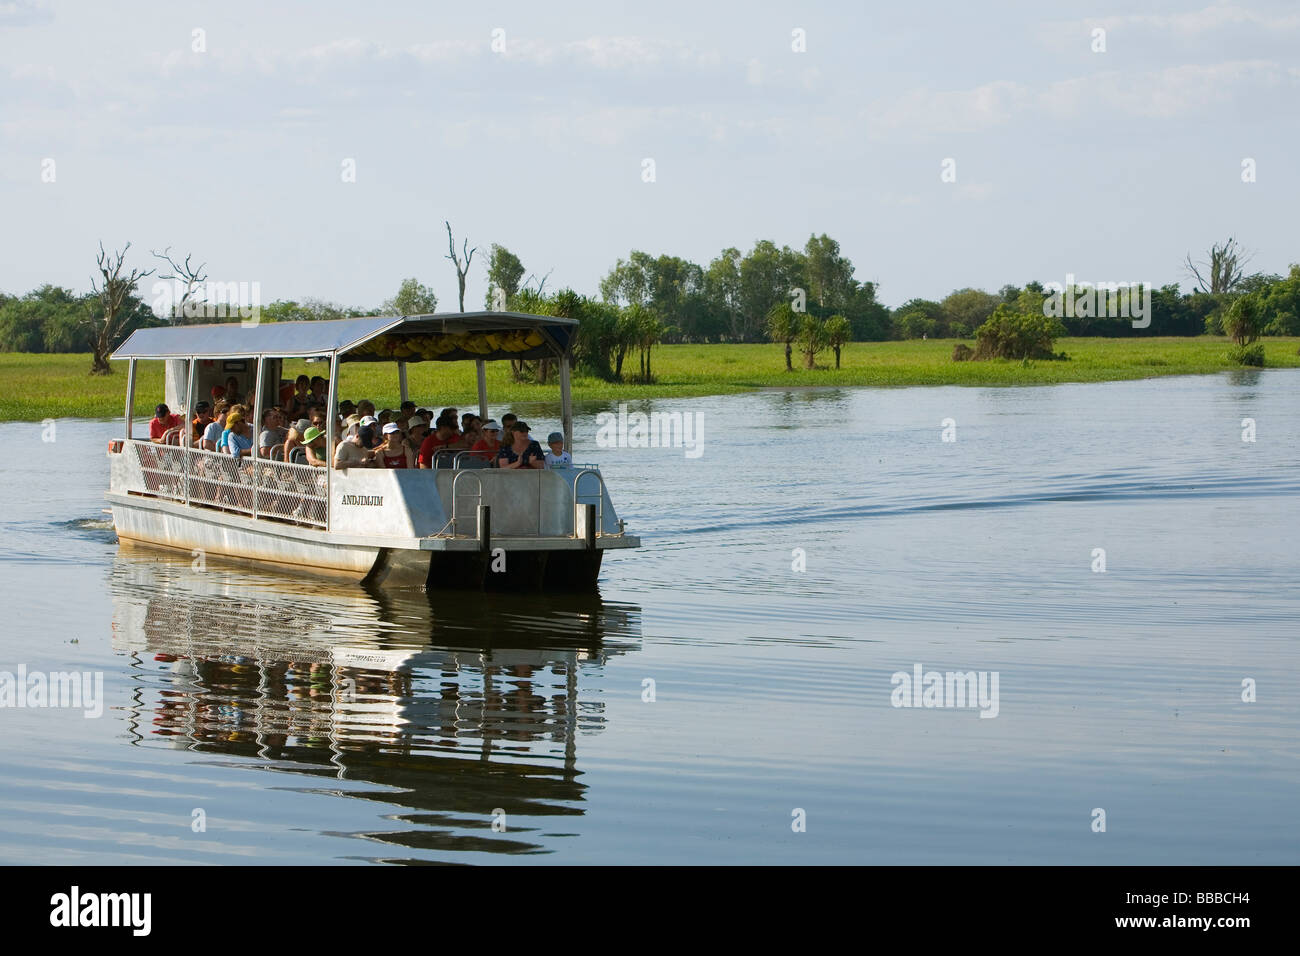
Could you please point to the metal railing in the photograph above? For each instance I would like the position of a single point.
(455, 519)
(600, 499)
(261, 488)
(163, 469)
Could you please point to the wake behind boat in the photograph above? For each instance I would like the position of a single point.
(460, 523)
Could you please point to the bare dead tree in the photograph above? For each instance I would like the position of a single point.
(188, 275)
(113, 289)
(462, 265)
(1225, 269)
(541, 283)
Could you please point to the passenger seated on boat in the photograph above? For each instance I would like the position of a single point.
(488, 445)
(417, 430)
(302, 398)
(162, 422)
(293, 439)
(313, 447)
(507, 427)
(319, 390)
(471, 428)
(407, 410)
(370, 435)
(351, 453)
(202, 419)
(317, 416)
(213, 432)
(218, 393)
(523, 452)
(232, 388)
(239, 440)
(394, 452)
(366, 408)
(235, 410)
(347, 407)
(557, 457)
(273, 433)
(444, 436)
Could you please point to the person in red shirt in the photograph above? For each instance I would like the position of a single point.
(394, 452)
(445, 436)
(490, 443)
(163, 421)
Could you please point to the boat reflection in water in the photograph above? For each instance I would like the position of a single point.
(457, 705)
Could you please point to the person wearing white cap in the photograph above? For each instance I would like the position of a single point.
(490, 443)
(417, 429)
(394, 452)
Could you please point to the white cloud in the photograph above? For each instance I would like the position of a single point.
(926, 112)
(23, 13)
(1195, 22)
(1170, 93)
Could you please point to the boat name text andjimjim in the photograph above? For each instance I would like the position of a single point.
(376, 500)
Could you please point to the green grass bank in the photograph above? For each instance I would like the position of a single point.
(34, 387)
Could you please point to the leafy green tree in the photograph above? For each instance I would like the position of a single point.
(1244, 320)
(838, 332)
(783, 327)
(411, 299)
(768, 275)
(597, 337)
(830, 275)
(627, 334)
(52, 319)
(1281, 305)
(1017, 334)
(649, 331)
(966, 309)
(629, 282)
(505, 272)
(722, 292)
(917, 318)
(811, 338)
(871, 320)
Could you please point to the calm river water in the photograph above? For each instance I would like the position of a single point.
(824, 541)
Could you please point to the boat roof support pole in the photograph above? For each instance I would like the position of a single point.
(256, 425)
(481, 367)
(331, 426)
(566, 402)
(401, 382)
(130, 395)
(190, 380)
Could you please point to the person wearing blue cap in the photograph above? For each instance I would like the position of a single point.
(557, 457)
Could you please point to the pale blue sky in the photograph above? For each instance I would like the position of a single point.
(1110, 166)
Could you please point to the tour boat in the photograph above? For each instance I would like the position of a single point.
(455, 525)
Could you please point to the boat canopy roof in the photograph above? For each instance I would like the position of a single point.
(443, 337)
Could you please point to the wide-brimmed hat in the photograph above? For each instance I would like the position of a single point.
(311, 434)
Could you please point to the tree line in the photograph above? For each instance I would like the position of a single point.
(809, 300)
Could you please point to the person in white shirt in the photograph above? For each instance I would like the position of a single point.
(557, 457)
(351, 453)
